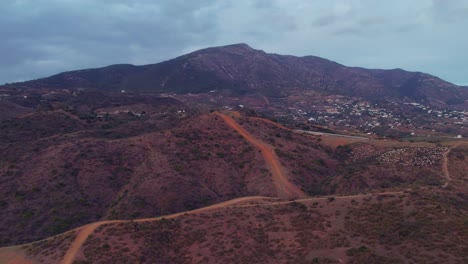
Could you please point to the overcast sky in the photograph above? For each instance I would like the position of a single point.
(45, 37)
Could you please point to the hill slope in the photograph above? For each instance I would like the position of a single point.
(389, 227)
(69, 171)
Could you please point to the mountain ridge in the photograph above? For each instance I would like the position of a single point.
(238, 69)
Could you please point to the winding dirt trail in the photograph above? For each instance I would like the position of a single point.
(445, 164)
(284, 188)
(12, 257)
(85, 231)
(322, 198)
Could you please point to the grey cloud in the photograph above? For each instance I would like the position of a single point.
(44, 37)
(96, 33)
(452, 11)
(372, 21)
(349, 31)
(325, 20)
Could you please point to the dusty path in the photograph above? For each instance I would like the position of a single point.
(54, 111)
(81, 237)
(345, 197)
(13, 255)
(85, 231)
(445, 164)
(284, 188)
(271, 122)
(333, 140)
(25, 115)
(63, 135)
(331, 135)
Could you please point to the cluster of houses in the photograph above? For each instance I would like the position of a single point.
(357, 114)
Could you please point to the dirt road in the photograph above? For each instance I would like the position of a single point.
(271, 122)
(85, 231)
(332, 140)
(331, 135)
(25, 115)
(445, 169)
(13, 255)
(284, 188)
(81, 237)
(322, 198)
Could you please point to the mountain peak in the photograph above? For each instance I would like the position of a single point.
(239, 48)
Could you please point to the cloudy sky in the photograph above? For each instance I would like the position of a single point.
(44, 37)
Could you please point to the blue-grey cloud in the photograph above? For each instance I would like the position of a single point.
(43, 37)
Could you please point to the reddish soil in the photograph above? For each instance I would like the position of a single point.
(284, 188)
(12, 255)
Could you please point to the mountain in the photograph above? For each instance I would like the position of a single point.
(239, 69)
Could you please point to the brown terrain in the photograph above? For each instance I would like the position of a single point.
(226, 155)
(76, 248)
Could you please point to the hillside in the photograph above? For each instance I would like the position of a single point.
(388, 227)
(140, 161)
(69, 171)
(10, 110)
(239, 69)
